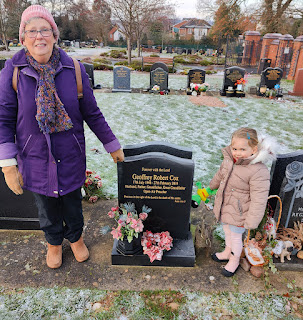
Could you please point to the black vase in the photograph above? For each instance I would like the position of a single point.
(129, 248)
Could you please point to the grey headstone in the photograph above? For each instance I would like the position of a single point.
(121, 79)
(169, 49)
(195, 76)
(159, 77)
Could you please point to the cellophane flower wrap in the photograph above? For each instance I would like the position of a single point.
(129, 222)
(92, 188)
(154, 244)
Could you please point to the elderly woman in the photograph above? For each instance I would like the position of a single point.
(42, 145)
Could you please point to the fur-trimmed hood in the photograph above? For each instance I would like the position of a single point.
(267, 149)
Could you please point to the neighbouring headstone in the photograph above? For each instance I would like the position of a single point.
(270, 77)
(89, 68)
(159, 65)
(231, 75)
(179, 50)
(298, 86)
(287, 182)
(161, 177)
(2, 63)
(195, 76)
(17, 212)
(169, 49)
(159, 77)
(121, 79)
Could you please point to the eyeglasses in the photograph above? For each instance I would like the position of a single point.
(44, 33)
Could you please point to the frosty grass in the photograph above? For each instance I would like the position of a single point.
(56, 303)
(136, 118)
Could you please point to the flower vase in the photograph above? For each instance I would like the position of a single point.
(129, 248)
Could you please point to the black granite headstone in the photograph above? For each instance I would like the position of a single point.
(169, 49)
(17, 212)
(270, 77)
(159, 65)
(159, 77)
(121, 79)
(195, 76)
(163, 182)
(287, 182)
(231, 75)
(2, 63)
(89, 68)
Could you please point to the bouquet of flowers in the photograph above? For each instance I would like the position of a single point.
(130, 223)
(240, 81)
(155, 243)
(92, 188)
(156, 88)
(196, 88)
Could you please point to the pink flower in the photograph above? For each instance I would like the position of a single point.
(88, 172)
(116, 233)
(111, 214)
(93, 199)
(139, 227)
(114, 208)
(143, 216)
(121, 223)
(99, 184)
(133, 223)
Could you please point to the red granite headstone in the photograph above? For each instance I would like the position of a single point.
(298, 87)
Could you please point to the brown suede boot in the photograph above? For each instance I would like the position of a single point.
(54, 256)
(80, 250)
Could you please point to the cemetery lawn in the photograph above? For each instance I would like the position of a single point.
(64, 303)
(136, 118)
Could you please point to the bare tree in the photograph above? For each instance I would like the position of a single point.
(10, 15)
(134, 15)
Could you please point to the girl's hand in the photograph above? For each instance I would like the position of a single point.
(118, 155)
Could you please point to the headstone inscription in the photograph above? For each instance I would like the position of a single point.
(287, 182)
(195, 76)
(17, 212)
(231, 75)
(159, 77)
(121, 79)
(162, 180)
(269, 78)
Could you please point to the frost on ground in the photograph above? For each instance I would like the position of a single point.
(136, 118)
(73, 304)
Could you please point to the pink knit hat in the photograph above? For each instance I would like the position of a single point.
(37, 11)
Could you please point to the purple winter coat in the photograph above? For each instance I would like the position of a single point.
(50, 164)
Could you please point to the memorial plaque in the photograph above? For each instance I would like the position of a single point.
(121, 79)
(287, 181)
(162, 182)
(195, 76)
(231, 75)
(159, 77)
(17, 212)
(270, 77)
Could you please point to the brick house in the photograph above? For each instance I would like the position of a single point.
(192, 28)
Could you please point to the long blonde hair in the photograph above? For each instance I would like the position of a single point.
(247, 133)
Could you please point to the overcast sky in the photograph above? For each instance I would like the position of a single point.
(186, 8)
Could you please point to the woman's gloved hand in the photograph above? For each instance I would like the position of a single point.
(13, 179)
(118, 155)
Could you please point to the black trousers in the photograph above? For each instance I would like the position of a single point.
(60, 217)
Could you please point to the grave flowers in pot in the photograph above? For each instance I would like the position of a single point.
(240, 88)
(129, 227)
(197, 88)
(92, 188)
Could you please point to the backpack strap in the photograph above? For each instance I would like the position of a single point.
(15, 79)
(16, 73)
(78, 78)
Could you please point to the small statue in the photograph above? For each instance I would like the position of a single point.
(283, 249)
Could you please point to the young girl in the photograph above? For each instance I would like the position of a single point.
(243, 185)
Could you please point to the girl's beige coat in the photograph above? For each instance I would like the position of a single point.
(242, 190)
